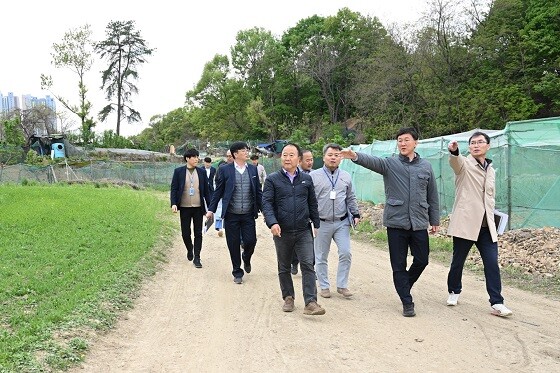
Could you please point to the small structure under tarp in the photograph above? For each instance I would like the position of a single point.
(43, 145)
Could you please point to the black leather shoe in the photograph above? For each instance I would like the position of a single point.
(408, 310)
(247, 267)
(294, 269)
(197, 263)
(190, 255)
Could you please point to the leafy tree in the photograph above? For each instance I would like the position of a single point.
(111, 140)
(75, 54)
(217, 104)
(124, 49)
(13, 134)
(258, 59)
(500, 84)
(541, 41)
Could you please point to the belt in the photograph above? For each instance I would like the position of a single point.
(341, 218)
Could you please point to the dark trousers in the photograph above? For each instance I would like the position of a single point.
(237, 226)
(194, 215)
(295, 260)
(399, 241)
(488, 252)
(301, 244)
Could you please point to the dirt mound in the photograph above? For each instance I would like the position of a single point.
(535, 251)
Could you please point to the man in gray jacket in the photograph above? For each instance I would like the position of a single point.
(411, 207)
(338, 210)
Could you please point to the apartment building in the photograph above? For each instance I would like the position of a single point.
(12, 102)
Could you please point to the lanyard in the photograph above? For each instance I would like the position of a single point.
(191, 176)
(330, 178)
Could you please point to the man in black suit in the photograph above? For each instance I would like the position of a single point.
(190, 194)
(240, 190)
(210, 172)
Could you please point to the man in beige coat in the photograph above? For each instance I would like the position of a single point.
(472, 219)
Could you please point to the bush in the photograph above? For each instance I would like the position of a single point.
(33, 158)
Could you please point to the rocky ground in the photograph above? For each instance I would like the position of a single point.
(535, 251)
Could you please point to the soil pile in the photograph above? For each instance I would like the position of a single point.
(535, 251)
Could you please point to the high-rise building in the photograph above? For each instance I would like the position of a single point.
(11, 102)
(29, 101)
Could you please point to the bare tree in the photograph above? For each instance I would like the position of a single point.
(75, 53)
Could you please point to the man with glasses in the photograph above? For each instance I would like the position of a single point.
(411, 208)
(240, 190)
(472, 219)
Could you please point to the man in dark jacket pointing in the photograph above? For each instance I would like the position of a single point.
(289, 204)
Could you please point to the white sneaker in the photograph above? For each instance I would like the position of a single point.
(452, 299)
(500, 310)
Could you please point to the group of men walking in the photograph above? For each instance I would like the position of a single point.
(306, 210)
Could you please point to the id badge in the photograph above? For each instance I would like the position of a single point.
(191, 191)
(333, 194)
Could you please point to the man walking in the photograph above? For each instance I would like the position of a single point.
(305, 166)
(472, 219)
(411, 207)
(338, 209)
(260, 168)
(190, 194)
(219, 224)
(306, 163)
(210, 172)
(237, 184)
(289, 204)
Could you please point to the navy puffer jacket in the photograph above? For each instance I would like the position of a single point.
(291, 206)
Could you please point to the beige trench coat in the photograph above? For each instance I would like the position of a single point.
(474, 197)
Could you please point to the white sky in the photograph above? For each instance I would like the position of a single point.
(187, 34)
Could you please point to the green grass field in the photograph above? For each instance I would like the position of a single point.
(71, 257)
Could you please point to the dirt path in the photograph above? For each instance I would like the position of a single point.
(190, 319)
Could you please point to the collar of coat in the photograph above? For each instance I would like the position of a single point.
(405, 159)
(487, 162)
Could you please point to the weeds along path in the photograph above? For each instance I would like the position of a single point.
(190, 319)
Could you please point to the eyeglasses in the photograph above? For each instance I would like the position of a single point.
(480, 142)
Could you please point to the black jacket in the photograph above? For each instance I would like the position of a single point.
(291, 206)
(178, 185)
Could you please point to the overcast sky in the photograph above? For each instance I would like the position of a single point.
(186, 34)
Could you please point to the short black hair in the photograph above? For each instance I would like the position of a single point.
(299, 152)
(408, 130)
(237, 146)
(254, 157)
(478, 133)
(331, 145)
(189, 153)
(208, 160)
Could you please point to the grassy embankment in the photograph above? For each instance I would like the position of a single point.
(71, 258)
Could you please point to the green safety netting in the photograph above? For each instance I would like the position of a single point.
(526, 156)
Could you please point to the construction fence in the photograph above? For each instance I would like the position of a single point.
(141, 173)
(525, 155)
